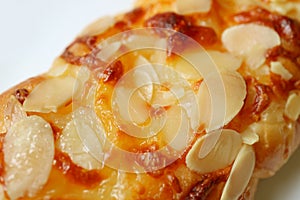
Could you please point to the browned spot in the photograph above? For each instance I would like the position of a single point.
(177, 42)
(113, 72)
(168, 20)
(209, 181)
(84, 44)
(261, 99)
(134, 16)
(257, 100)
(21, 94)
(75, 173)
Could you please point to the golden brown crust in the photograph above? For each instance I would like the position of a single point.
(262, 111)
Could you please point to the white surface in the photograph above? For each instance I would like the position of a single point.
(34, 32)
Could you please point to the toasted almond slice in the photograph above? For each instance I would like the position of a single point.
(250, 41)
(49, 95)
(292, 107)
(220, 156)
(249, 136)
(185, 69)
(225, 61)
(83, 139)
(57, 70)
(192, 6)
(13, 112)
(232, 81)
(177, 129)
(141, 38)
(164, 98)
(279, 69)
(241, 172)
(131, 105)
(28, 155)
(108, 50)
(144, 76)
(98, 26)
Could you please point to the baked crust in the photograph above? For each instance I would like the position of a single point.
(263, 111)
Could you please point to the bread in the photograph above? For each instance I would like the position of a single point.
(60, 130)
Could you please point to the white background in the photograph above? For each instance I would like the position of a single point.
(34, 32)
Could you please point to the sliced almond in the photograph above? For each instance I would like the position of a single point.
(56, 71)
(220, 156)
(49, 95)
(225, 61)
(99, 26)
(241, 172)
(292, 107)
(70, 143)
(108, 51)
(13, 112)
(193, 6)
(279, 69)
(144, 39)
(232, 81)
(177, 130)
(250, 41)
(28, 155)
(249, 136)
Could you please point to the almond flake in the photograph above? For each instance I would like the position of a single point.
(13, 112)
(292, 107)
(56, 71)
(250, 41)
(279, 69)
(193, 6)
(83, 139)
(50, 94)
(28, 155)
(241, 172)
(232, 81)
(249, 136)
(221, 155)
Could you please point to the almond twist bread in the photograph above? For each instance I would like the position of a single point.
(176, 99)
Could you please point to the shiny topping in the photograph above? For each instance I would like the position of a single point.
(250, 41)
(50, 94)
(57, 70)
(241, 172)
(28, 154)
(21, 94)
(279, 69)
(193, 6)
(232, 81)
(292, 107)
(221, 155)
